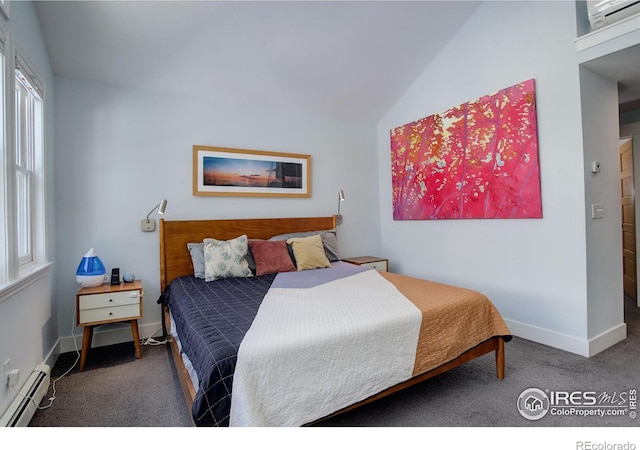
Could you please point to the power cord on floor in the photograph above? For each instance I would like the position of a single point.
(149, 341)
(152, 341)
(53, 383)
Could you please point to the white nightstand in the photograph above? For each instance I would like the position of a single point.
(372, 262)
(108, 304)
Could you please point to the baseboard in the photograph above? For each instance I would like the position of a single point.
(607, 339)
(582, 347)
(108, 335)
(547, 337)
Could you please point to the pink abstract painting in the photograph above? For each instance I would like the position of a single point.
(478, 160)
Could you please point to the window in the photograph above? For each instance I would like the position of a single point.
(28, 152)
(22, 205)
(4, 200)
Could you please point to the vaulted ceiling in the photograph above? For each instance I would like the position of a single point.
(348, 60)
(345, 59)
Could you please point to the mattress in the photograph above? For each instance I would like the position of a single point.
(213, 318)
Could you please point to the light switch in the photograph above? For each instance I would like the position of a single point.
(597, 210)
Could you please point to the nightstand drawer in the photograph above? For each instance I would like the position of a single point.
(370, 262)
(111, 313)
(378, 265)
(109, 299)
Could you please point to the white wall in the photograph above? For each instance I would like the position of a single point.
(28, 330)
(533, 270)
(120, 151)
(604, 236)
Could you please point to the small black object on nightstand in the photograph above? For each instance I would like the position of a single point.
(115, 276)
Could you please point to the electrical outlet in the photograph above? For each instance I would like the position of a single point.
(597, 211)
(13, 377)
(148, 224)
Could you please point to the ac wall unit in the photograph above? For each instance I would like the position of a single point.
(606, 12)
(24, 406)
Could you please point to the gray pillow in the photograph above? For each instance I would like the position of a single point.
(196, 250)
(329, 241)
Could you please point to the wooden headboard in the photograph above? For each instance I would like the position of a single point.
(175, 260)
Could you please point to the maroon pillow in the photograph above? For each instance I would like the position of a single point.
(271, 256)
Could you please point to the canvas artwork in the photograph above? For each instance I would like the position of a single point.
(478, 160)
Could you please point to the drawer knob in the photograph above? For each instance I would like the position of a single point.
(111, 314)
(110, 299)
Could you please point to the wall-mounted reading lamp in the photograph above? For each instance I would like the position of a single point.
(150, 224)
(340, 200)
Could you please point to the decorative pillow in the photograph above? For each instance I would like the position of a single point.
(250, 260)
(330, 244)
(309, 252)
(271, 256)
(226, 259)
(329, 241)
(196, 250)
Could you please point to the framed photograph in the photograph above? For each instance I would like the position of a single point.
(250, 173)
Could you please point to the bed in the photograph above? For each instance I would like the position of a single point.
(285, 344)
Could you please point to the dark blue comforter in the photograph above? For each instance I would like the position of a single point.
(213, 318)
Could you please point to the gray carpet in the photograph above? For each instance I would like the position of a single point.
(116, 390)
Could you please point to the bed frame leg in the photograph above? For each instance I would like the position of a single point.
(500, 359)
(164, 330)
(164, 321)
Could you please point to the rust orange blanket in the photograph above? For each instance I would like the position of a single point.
(454, 319)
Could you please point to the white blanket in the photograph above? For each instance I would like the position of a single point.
(311, 352)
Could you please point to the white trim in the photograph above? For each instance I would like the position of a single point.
(11, 253)
(608, 33)
(3, 36)
(582, 347)
(27, 70)
(607, 339)
(12, 287)
(548, 337)
(5, 162)
(5, 9)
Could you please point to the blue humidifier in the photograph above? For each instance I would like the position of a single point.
(91, 271)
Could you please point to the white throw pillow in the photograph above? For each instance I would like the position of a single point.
(226, 259)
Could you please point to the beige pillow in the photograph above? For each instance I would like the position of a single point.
(309, 252)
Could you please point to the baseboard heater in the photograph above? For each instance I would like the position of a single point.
(24, 406)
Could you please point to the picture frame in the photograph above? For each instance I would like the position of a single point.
(220, 171)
